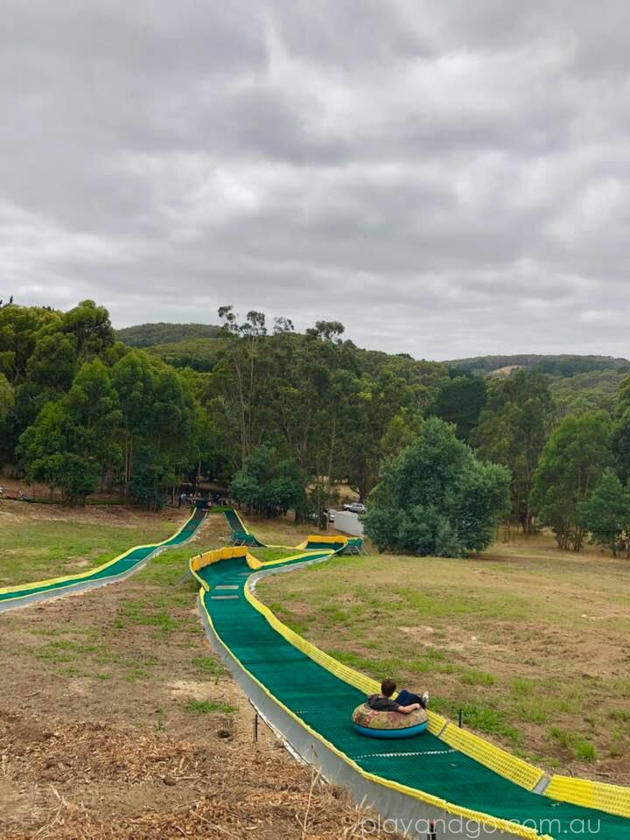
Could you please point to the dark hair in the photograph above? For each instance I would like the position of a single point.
(388, 687)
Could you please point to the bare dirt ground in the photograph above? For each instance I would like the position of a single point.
(117, 721)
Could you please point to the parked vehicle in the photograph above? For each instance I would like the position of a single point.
(355, 507)
(325, 515)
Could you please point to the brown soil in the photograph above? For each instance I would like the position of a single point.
(93, 780)
(34, 490)
(97, 739)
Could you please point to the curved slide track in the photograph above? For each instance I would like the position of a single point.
(448, 783)
(240, 535)
(120, 567)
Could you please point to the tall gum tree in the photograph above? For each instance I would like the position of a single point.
(570, 467)
(513, 427)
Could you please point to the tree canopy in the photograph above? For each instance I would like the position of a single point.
(570, 467)
(512, 430)
(268, 485)
(460, 400)
(436, 497)
(287, 418)
(606, 513)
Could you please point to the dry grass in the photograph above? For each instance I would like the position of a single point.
(118, 720)
(40, 541)
(91, 780)
(118, 723)
(530, 642)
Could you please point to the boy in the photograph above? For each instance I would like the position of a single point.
(406, 702)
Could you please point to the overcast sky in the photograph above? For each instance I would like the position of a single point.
(445, 178)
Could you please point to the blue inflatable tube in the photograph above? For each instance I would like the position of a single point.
(390, 734)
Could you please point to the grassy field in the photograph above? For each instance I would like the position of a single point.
(530, 643)
(269, 555)
(39, 541)
(119, 721)
(281, 531)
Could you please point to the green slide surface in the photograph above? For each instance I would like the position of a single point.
(325, 703)
(13, 596)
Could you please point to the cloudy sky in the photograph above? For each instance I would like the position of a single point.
(445, 178)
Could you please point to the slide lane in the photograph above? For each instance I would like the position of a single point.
(433, 776)
(120, 567)
(241, 535)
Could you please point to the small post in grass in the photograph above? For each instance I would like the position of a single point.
(460, 718)
(255, 722)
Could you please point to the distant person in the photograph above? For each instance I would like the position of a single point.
(406, 702)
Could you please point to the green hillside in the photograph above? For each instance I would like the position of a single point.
(586, 391)
(561, 365)
(150, 335)
(200, 354)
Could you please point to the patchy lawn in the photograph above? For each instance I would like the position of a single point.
(269, 555)
(530, 642)
(41, 541)
(117, 722)
(282, 532)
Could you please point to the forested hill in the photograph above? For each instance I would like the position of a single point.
(285, 419)
(194, 350)
(562, 365)
(149, 335)
(80, 410)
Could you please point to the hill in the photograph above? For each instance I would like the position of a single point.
(200, 354)
(561, 365)
(577, 382)
(150, 335)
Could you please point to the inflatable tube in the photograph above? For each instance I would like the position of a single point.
(390, 734)
(389, 725)
(447, 772)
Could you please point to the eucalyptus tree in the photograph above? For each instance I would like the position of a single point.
(244, 359)
(436, 498)
(512, 430)
(72, 444)
(570, 467)
(460, 400)
(606, 513)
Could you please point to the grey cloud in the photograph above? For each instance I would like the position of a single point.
(447, 179)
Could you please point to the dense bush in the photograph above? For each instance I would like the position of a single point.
(437, 498)
(268, 485)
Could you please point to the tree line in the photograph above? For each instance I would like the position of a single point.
(80, 412)
(283, 418)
